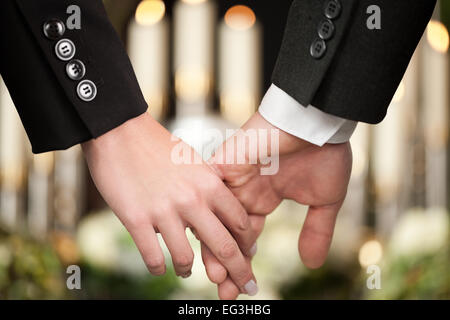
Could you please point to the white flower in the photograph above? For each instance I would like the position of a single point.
(420, 232)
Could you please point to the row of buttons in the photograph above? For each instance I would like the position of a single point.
(326, 28)
(65, 50)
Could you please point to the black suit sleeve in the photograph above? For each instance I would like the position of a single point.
(51, 111)
(359, 71)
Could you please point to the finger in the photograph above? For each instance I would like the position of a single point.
(233, 215)
(195, 233)
(215, 167)
(317, 233)
(174, 235)
(214, 269)
(228, 290)
(257, 224)
(225, 249)
(148, 245)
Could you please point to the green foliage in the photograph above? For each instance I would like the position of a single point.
(29, 270)
(416, 277)
(101, 284)
(327, 282)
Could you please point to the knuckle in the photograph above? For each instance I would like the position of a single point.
(229, 249)
(242, 276)
(184, 260)
(155, 264)
(136, 221)
(160, 211)
(215, 185)
(243, 222)
(189, 198)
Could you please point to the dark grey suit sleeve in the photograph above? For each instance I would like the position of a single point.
(354, 72)
(52, 111)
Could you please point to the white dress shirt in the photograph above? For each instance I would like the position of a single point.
(309, 124)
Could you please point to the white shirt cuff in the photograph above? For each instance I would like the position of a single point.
(309, 124)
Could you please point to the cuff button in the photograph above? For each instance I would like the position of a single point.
(87, 90)
(326, 30)
(318, 49)
(332, 9)
(65, 49)
(75, 70)
(54, 29)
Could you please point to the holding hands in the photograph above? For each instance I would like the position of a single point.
(225, 205)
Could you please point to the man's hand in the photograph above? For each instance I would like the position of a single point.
(310, 175)
(133, 170)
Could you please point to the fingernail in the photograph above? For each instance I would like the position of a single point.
(251, 288)
(254, 249)
(186, 275)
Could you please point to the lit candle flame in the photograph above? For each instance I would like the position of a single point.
(150, 12)
(240, 17)
(437, 35)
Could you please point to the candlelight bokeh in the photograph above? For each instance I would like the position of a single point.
(240, 17)
(150, 12)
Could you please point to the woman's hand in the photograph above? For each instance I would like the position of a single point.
(133, 169)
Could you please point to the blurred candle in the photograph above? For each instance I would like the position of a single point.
(148, 49)
(12, 161)
(355, 207)
(239, 64)
(435, 97)
(70, 188)
(194, 22)
(40, 195)
(389, 150)
(393, 153)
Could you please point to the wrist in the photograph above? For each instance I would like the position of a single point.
(121, 135)
(287, 143)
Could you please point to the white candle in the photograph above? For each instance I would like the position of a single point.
(12, 160)
(239, 64)
(354, 208)
(389, 149)
(40, 201)
(194, 22)
(69, 188)
(149, 53)
(435, 97)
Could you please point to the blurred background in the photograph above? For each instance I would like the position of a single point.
(206, 64)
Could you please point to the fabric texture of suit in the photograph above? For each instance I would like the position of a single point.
(53, 115)
(361, 69)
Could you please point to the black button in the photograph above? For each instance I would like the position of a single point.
(318, 49)
(332, 9)
(326, 30)
(54, 29)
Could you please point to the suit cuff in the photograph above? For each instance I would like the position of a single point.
(307, 123)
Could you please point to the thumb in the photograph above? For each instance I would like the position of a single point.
(317, 233)
(216, 160)
(215, 167)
